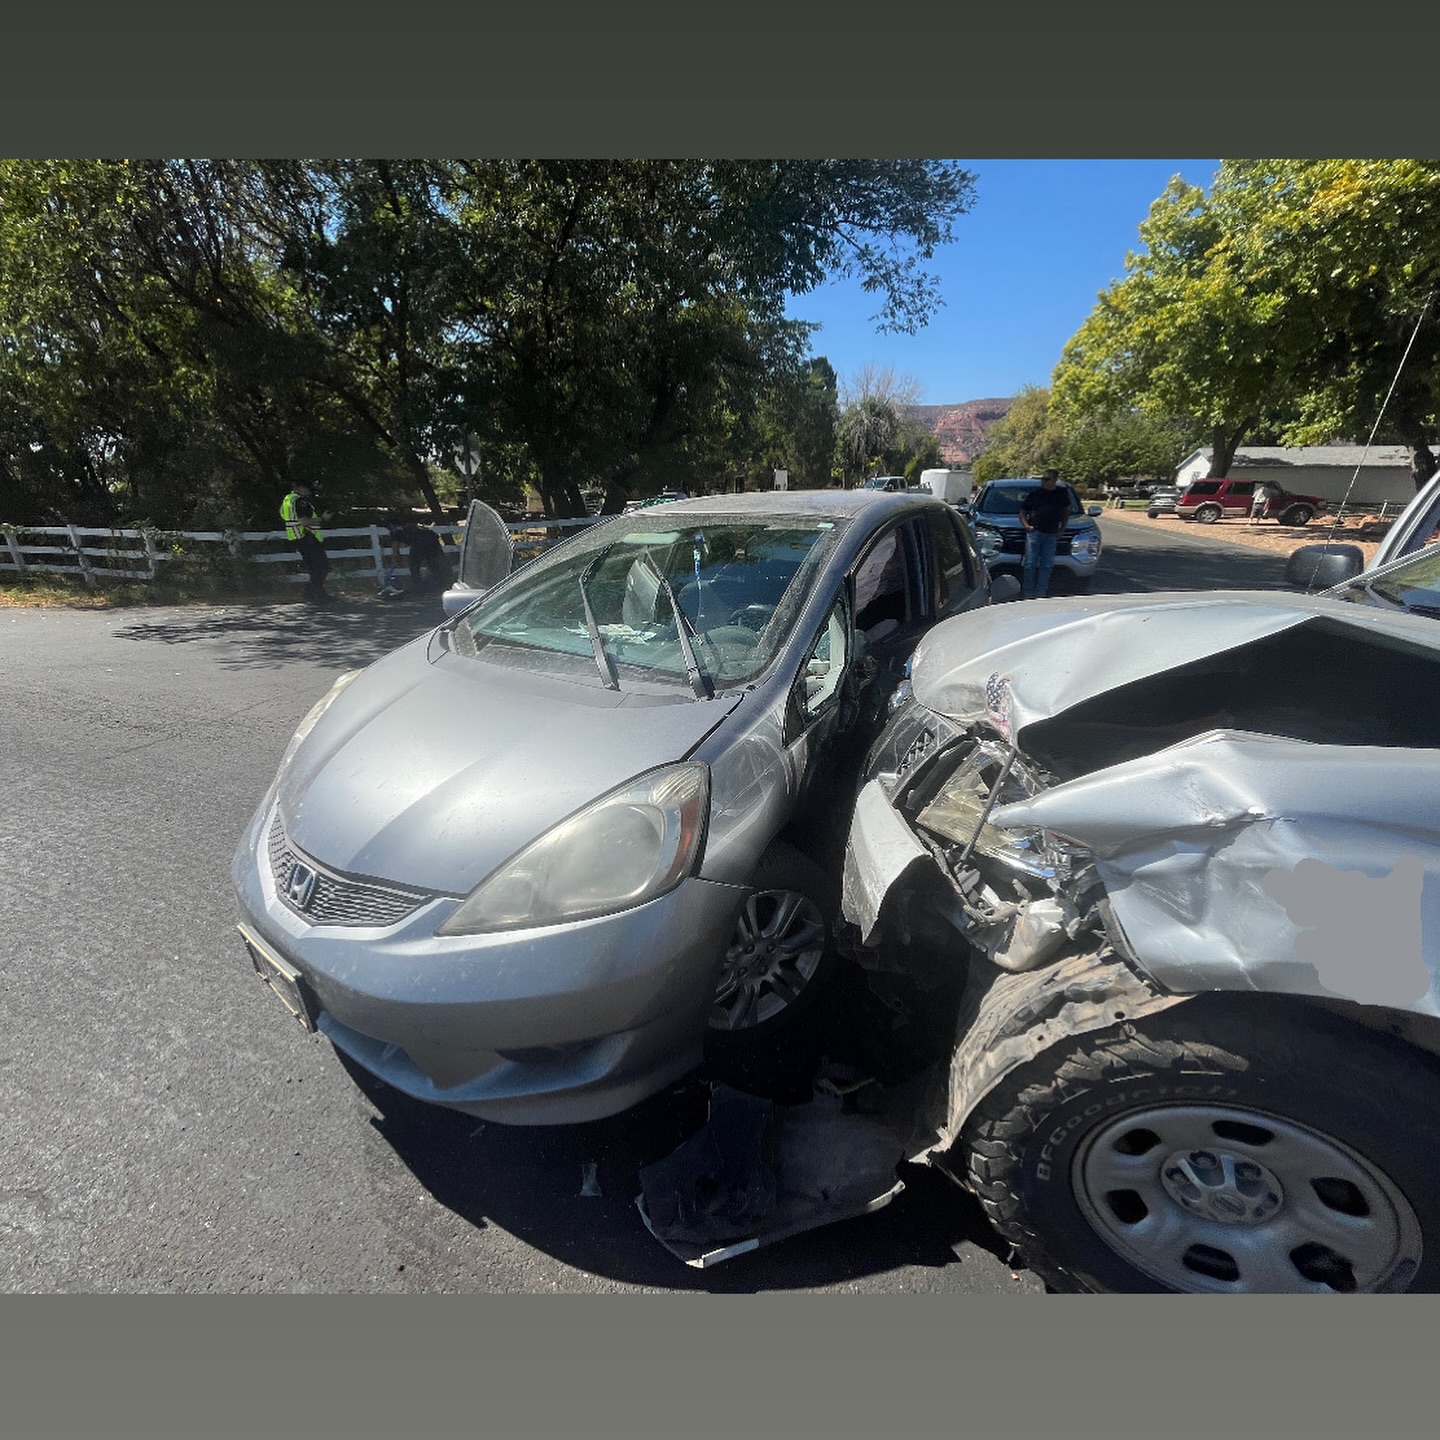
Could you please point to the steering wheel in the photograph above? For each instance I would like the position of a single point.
(731, 635)
(752, 617)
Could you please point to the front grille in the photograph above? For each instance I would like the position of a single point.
(1013, 542)
(336, 900)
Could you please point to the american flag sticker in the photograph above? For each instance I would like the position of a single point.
(997, 703)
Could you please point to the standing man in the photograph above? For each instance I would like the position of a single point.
(1043, 513)
(298, 513)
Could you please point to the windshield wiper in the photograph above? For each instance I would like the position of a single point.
(699, 681)
(597, 645)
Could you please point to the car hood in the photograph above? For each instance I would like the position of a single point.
(1020, 663)
(430, 773)
(1012, 522)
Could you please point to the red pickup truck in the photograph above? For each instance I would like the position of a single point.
(1209, 500)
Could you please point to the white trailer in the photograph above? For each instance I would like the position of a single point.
(952, 486)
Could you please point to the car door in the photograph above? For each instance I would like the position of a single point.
(1238, 497)
(838, 710)
(955, 578)
(889, 600)
(487, 550)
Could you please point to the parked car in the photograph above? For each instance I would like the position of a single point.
(1319, 567)
(1209, 500)
(526, 865)
(1164, 500)
(889, 483)
(1185, 851)
(995, 515)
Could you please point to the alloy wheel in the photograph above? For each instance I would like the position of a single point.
(775, 951)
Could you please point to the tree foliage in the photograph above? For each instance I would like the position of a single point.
(179, 337)
(1094, 451)
(1283, 299)
(877, 431)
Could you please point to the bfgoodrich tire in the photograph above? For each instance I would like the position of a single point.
(1218, 1147)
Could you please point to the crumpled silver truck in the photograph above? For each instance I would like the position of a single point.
(1165, 869)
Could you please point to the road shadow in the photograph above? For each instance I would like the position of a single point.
(528, 1181)
(1134, 562)
(269, 637)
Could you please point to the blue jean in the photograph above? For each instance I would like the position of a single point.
(1039, 562)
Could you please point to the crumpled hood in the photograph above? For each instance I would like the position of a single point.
(432, 774)
(1241, 861)
(1046, 656)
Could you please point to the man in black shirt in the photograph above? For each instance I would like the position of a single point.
(427, 553)
(1043, 513)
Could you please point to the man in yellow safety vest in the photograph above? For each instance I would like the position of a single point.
(298, 513)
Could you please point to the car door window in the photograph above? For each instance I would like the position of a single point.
(825, 664)
(954, 577)
(883, 587)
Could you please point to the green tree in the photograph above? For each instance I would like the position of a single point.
(1284, 301)
(178, 335)
(1354, 243)
(1187, 332)
(1024, 441)
(622, 312)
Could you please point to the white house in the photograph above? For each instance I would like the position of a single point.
(1333, 472)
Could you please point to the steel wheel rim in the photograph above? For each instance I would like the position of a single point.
(1226, 1200)
(774, 952)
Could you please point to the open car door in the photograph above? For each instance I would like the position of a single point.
(487, 553)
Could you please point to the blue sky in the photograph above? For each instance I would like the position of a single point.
(1043, 238)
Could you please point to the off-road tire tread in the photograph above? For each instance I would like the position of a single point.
(997, 1133)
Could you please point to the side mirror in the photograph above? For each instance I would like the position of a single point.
(1004, 587)
(1095, 510)
(1319, 567)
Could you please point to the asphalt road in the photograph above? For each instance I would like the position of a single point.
(167, 1126)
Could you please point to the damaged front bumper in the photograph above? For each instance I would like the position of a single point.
(1021, 920)
(1016, 894)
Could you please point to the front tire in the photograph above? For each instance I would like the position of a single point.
(1297, 515)
(1210, 1149)
(781, 954)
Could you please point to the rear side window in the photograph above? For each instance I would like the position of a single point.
(954, 569)
(1204, 487)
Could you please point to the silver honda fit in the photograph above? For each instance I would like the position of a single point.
(527, 865)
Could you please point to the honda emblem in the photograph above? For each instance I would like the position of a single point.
(300, 886)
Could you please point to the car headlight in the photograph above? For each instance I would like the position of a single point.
(316, 711)
(989, 542)
(1086, 545)
(628, 847)
(912, 733)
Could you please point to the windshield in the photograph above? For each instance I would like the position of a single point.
(610, 597)
(1415, 585)
(1007, 499)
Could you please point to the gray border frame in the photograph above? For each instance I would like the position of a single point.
(1054, 80)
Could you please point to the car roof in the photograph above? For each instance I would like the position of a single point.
(1016, 482)
(809, 504)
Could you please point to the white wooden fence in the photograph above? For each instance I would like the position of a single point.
(95, 555)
